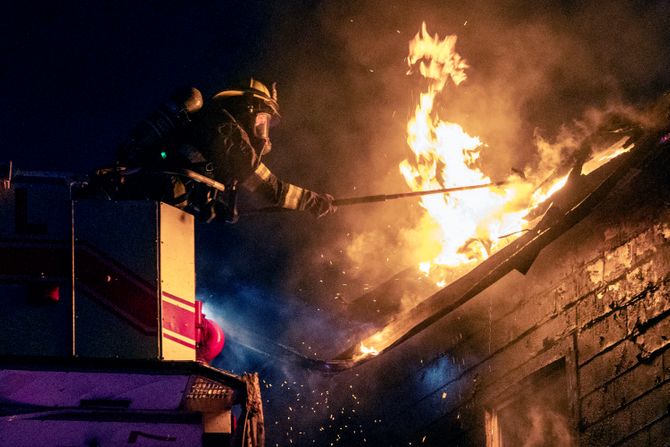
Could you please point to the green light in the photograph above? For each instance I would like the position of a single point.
(163, 155)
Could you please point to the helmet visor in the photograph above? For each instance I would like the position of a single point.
(262, 125)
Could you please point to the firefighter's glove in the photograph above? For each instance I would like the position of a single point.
(322, 205)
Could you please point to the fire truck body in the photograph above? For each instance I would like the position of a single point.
(102, 331)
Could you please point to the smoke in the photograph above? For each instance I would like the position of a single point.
(539, 73)
(534, 425)
(547, 427)
(542, 77)
(536, 411)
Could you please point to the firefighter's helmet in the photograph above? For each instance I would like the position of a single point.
(254, 106)
(257, 96)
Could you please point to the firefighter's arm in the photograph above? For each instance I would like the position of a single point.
(239, 156)
(276, 192)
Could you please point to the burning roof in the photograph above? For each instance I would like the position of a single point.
(465, 227)
(580, 195)
(474, 237)
(496, 229)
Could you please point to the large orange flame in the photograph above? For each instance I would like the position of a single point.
(467, 225)
(463, 228)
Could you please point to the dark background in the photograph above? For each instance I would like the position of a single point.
(77, 76)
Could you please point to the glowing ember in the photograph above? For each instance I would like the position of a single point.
(544, 192)
(365, 351)
(370, 351)
(604, 156)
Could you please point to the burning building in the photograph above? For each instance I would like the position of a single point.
(560, 338)
(547, 312)
(539, 314)
(543, 322)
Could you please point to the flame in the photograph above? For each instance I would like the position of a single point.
(602, 157)
(365, 351)
(438, 58)
(542, 193)
(463, 228)
(466, 224)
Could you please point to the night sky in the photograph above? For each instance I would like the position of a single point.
(77, 77)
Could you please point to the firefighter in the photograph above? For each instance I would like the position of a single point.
(224, 141)
(232, 132)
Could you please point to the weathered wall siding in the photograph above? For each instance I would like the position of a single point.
(470, 335)
(639, 439)
(620, 391)
(654, 338)
(607, 366)
(595, 306)
(655, 435)
(443, 401)
(624, 388)
(531, 310)
(616, 301)
(531, 352)
(459, 428)
(600, 347)
(441, 388)
(653, 304)
(434, 358)
(601, 334)
(659, 432)
(598, 296)
(631, 418)
(618, 261)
